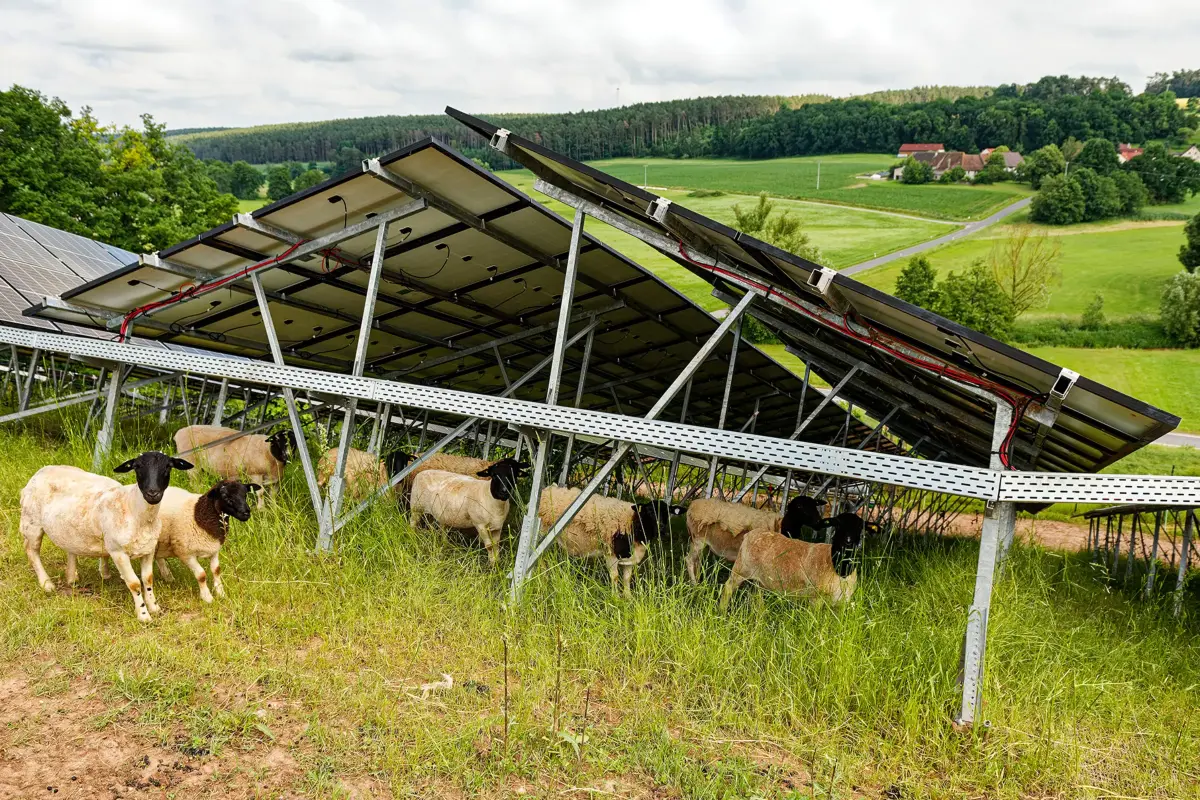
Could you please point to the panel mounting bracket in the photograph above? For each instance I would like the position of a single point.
(658, 210)
(499, 140)
(820, 282)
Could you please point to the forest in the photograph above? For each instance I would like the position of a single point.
(1023, 117)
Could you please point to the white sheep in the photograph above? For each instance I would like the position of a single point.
(92, 516)
(194, 526)
(364, 474)
(259, 459)
(462, 501)
(607, 528)
(719, 525)
(811, 569)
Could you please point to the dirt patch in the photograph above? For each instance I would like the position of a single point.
(856, 186)
(69, 743)
(1048, 533)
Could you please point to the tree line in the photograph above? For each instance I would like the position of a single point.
(1023, 117)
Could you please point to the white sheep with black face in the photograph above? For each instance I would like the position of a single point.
(257, 458)
(92, 515)
(462, 501)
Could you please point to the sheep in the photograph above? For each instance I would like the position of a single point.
(464, 501)
(365, 473)
(260, 459)
(719, 525)
(194, 526)
(92, 515)
(781, 564)
(447, 462)
(606, 527)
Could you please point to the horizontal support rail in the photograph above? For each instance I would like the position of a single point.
(877, 467)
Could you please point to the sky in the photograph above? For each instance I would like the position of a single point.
(200, 63)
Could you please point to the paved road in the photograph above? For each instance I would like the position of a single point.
(965, 230)
(1180, 440)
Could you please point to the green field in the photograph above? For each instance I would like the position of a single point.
(797, 178)
(846, 236)
(1163, 378)
(246, 206)
(304, 681)
(1127, 266)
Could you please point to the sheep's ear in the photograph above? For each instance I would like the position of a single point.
(126, 467)
(485, 473)
(252, 487)
(179, 463)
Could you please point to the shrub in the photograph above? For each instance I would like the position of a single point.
(974, 299)
(1137, 333)
(917, 283)
(1093, 315)
(1060, 202)
(1189, 253)
(755, 332)
(916, 171)
(705, 193)
(953, 175)
(1180, 311)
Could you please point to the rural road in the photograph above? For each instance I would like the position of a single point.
(965, 230)
(1180, 440)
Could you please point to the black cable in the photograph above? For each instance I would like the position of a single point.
(434, 274)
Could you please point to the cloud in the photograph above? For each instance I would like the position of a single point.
(221, 62)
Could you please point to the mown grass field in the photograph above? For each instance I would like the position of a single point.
(846, 236)
(797, 178)
(303, 681)
(246, 206)
(1127, 265)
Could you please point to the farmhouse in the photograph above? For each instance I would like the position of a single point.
(1126, 152)
(1192, 152)
(971, 163)
(907, 150)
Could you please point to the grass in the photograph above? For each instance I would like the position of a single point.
(1162, 378)
(840, 183)
(845, 236)
(246, 206)
(1094, 259)
(1088, 694)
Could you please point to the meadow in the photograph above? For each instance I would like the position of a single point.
(305, 679)
(840, 183)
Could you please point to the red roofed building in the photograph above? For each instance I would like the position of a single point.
(907, 150)
(1125, 152)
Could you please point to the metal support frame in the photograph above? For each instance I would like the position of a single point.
(733, 318)
(289, 399)
(104, 438)
(998, 522)
(733, 352)
(26, 390)
(673, 472)
(579, 388)
(1189, 525)
(530, 524)
(222, 395)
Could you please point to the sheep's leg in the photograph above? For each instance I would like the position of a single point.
(105, 572)
(612, 573)
(692, 561)
(201, 580)
(148, 583)
(125, 568)
(72, 570)
(736, 579)
(32, 532)
(626, 577)
(214, 566)
(164, 571)
(489, 544)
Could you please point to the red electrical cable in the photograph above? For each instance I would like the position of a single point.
(888, 344)
(193, 291)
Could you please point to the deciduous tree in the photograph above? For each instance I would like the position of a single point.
(974, 299)
(917, 283)
(244, 180)
(1099, 155)
(1025, 265)
(1189, 253)
(279, 183)
(1059, 202)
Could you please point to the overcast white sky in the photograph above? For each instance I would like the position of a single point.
(220, 62)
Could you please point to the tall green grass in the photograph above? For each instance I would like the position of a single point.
(1087, 693)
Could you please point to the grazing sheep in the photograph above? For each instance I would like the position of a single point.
(365, 473)
(447, 462)
(606, 527)
(92, 516)
(780, 564)
(463, 501)
(718, 525)
(260, 459)
(194, 526)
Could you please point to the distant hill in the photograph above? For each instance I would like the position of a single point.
(186, 131)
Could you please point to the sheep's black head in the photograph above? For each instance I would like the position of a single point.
(397, 461)
(153, 472)
(846, 543)
(230, 497)
(652, 519)
(802, 512)
(281, 443)
(504, 474)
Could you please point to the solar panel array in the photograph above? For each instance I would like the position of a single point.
(37, 260)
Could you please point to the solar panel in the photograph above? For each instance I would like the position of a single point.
(835, 323)
(28, 251)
